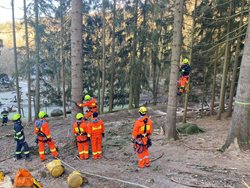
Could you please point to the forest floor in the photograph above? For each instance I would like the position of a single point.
(191, 161)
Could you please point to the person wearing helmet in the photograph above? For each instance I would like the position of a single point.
(42, 130)
(91, 104)
(142, 130)
(80, 130)
(184, 70)
(96, 130)
(5, 119)
(20, 138)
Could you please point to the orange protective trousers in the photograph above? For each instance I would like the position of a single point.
(41, 148)
(96, 141)
(143, 157)
(83, 149)
(182, 83)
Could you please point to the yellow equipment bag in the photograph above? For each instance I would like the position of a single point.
(75, 179)
(2, 176)
(55, 168)
(23, 178)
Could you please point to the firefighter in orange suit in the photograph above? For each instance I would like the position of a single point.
(91, 104)
(80, 131)
(182, 83)
(42, 131)
(141, 137)
(96, 133)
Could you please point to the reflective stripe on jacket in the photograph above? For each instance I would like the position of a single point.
(96, 126)
(92, 103)
(143, 126)
(42, 129)
(18, 130)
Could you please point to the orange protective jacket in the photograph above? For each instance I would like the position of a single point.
(143, 126)
(80, 129)
(96, 126)
(92, 103)
(42, 129)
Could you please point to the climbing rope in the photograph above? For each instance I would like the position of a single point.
(103, 177)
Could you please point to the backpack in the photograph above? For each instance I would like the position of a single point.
(23, 178)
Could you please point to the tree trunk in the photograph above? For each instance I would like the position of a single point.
(111, 88)
(204, 93)
(141, 64)
(27, 60)
(240, 124)
(137, 68)
(225, 65)
(37, 59)
(99, 85)
(154, 69)
(170, 125)
(62, 59)
(133, 72)
(103, 55)
(76, 55)
(213, 87)
(184, 120)
(15, 57)
(154, 52)
(235, 67)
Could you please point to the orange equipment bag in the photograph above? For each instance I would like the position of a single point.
(23, 178)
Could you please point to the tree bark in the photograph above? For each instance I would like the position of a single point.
(99, 85)
(103, 55)
(111, 88)
(184, 120)
(155, 58)
(141, 49)
(240, 126)
(27, 60)
(133, 61)
(15, 57)
(234, 74)
(76, 55)
(37, 59)
(62, 59)
(170, 125)
(225, 65)
(214, 82)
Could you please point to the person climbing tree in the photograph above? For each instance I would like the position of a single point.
(20, 138)
(80, 130)
(143, 128)
(184, 70)
(42, 131)
(91, 104)
(5, 119)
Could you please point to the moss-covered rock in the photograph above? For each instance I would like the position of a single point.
(189, 128)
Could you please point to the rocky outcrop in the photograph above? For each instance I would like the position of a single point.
(56, 112)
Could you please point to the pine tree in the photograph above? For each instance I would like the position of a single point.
(239, 126)
(170, 126)
(76, 55)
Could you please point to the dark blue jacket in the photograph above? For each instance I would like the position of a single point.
(5, 113)
(18, 129)
(185, 70)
